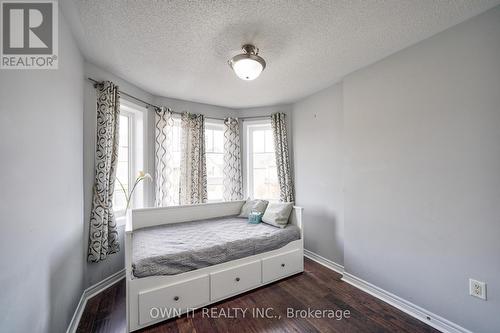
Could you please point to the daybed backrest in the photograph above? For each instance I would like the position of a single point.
(148, 217)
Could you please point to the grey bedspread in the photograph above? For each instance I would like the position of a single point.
(176, 248)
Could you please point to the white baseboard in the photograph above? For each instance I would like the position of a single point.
(89, 293)
(323, 261)
(413, 310)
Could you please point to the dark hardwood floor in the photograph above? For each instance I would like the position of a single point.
(317, 288)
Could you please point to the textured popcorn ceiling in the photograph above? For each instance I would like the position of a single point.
(180, 49)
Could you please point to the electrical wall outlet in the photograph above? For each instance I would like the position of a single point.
(477, 289)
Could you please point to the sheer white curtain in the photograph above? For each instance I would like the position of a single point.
(166, 188)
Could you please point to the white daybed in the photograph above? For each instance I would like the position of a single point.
(150, 298)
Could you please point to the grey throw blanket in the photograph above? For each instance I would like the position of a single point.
(176, 248)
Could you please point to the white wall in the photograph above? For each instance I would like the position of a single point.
(422, 203)
(41, 209)
(319, 159)
(210, 111)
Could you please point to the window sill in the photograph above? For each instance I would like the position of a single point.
(121, 220)
(214, 201)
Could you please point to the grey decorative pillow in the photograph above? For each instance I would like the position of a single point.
(255, 205)
(277, 214)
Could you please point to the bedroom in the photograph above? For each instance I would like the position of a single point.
(369, 129)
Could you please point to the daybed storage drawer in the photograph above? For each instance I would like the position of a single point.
(169, 301)
(281, 265)
(234, 280)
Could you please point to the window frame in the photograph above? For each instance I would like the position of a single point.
(215, 124)
(249, 126)
(137, 125)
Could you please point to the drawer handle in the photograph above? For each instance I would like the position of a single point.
(237, 279)
(282, 265)
(176, 298)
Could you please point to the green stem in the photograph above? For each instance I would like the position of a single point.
(137, 181)
(127, 198)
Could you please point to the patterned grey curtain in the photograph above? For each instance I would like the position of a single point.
(233, 181)
(102, 231)
(166, 189)
(278, 123)
(193, 180)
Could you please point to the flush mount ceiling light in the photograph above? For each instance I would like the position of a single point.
(248, 65)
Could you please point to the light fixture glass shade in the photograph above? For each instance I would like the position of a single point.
(248, 65)
(247, 69)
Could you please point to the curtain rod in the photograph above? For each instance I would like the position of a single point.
(176, 112)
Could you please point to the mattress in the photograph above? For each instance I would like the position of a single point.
(176, 248)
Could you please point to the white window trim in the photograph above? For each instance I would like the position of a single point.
(248, 127)
(136, 162)
(215, 124)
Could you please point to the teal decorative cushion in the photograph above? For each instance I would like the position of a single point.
(255, 217)
(253, 206)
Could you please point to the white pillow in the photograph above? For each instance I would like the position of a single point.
(277, 214)
(253, 206)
